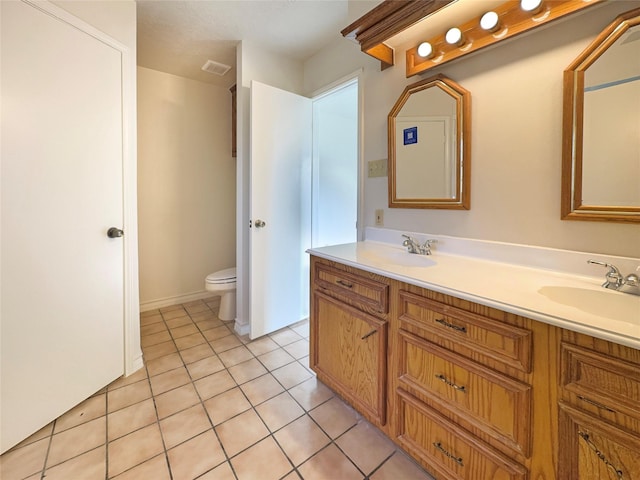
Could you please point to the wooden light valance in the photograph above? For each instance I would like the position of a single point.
(513, 20)
(374, 29)
(386, 20)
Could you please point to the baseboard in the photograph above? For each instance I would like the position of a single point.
(136, 365)
(178, 299)
(242, 329)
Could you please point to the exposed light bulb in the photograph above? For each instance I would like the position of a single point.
(490, 21)
(454, 37)
(425, 50)
(533, 6)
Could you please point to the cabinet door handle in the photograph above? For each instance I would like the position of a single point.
(344, 284)
(444, 379)
(367, 335)
(442, 321)
(599, 454)
(599, 405)
(458, 460)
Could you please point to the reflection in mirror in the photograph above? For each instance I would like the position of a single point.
(601, 145)
(429, 146)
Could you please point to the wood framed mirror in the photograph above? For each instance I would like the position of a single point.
(429, 132)
(601, 127)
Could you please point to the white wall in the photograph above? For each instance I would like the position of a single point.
(516, 90)
(254, 63)
(186, 186)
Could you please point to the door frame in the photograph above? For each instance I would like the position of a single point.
(132, 351)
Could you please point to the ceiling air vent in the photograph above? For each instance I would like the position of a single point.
(215, 67)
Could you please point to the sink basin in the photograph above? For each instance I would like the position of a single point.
(604, 303)
(398, 258)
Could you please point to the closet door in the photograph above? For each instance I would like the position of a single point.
(62, 294)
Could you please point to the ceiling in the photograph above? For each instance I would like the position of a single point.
(178, 37)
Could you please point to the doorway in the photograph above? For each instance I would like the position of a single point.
(334, 204)
(303, 152)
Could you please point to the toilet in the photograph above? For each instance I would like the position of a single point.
(223, 283)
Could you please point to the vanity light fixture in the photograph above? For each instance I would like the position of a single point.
(504, 21)
(533, 6)
(490, 22)
(454, 37)
(425, 50)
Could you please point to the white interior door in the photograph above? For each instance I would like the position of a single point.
(62, 188)
(280, 184)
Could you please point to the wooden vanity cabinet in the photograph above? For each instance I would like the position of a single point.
(472, 392)
(348, 348)
(599, 409)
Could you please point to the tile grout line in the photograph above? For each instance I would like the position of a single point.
(192, 381)
(253, 407)
(226, 456)
(46, 456)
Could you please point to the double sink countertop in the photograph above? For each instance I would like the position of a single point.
(517, 280)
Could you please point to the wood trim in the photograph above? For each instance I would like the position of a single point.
(234, 121)
(386, 20)
(572, 207)
(513, 22)
(462, 200)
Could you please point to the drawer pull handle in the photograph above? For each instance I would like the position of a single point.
(367, 335)
(458, 460)
(599, 405)
(444, 379)
(442, 321)
(599, 454)
(344, 284)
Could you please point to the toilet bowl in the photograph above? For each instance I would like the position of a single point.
(223, 283)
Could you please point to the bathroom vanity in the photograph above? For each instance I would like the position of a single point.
(481, 369)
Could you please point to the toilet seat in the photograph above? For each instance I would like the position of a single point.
(222, 277)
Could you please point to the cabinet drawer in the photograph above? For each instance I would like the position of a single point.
(592, 449)
(450, 451)
(364, 293)
(494, 403)
(593, 379)
(506, 343)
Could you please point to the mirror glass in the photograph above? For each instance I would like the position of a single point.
(601, 156)
(429, 160)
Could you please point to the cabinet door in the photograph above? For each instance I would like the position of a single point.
(348, 352)
(593, 449)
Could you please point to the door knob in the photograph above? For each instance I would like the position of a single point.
(114, 232)
(260, 224)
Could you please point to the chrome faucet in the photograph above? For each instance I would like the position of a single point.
(616, 281)
(413, 246)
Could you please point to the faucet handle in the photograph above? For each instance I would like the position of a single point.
(614, 277)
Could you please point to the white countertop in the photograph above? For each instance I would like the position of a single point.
(574, 302)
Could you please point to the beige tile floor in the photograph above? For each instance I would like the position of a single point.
(210, 405)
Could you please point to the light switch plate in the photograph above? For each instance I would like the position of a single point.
(377, 168)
